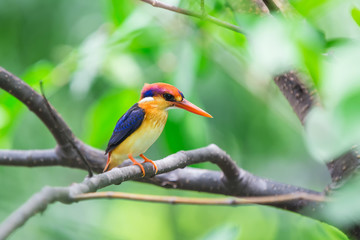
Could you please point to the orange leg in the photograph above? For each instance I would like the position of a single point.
(136, 163)
(150, 161)
(107, 163)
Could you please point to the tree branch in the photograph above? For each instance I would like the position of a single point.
(296, 93)
(35, 102)
(208, 18)
(39, 105)
(200, 201)
(271, 5)
(53, 157)
(70, 139)
(235, 182)
(232, 181)
(29, 158)
(302, 101)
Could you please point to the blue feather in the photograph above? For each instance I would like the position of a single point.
(125, 126)
(148, 93)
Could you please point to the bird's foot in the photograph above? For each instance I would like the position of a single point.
(150, 161)
(138, 164)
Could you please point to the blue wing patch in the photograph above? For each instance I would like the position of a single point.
(125, 126)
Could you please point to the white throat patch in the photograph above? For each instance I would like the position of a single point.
(172, 107)
(147, 99)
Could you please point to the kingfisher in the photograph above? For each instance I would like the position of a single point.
(143, 123)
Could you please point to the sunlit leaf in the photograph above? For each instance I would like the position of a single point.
(91, 57)
(355, 13)
(225, 232)
(103, 116)
(343, 209)
(38, 72)
(323, 136)
(271, 47)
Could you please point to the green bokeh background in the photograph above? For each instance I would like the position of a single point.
(95, 56)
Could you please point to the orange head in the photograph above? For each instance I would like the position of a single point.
(165, 96)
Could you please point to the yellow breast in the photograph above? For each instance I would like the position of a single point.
(140, 140)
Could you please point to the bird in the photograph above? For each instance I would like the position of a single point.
(143, 123)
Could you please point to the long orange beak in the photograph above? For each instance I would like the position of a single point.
(188, 106)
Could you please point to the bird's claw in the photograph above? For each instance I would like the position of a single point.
(150, 161)
(142, 168)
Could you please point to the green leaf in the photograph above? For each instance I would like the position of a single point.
(355, 13)
(322, 135)
(347, 115)
(104, 115)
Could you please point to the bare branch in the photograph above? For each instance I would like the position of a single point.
(200, 201)
(302, 101)
(53, 157)
(70, 139)
(248, 6)
(344, 166)
(214, 20)
(296, 93)
(35, 102)
(232, 180)
(236, 182)
(29, 158)
(272, 6)
(69, 146)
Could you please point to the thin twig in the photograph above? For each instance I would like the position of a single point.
(201, 201)
(271, 5)
(202, 6)
(70, 140)
(214, 20)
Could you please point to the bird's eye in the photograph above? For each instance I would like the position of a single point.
(169, 97)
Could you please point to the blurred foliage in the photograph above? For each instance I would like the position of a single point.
(94, 57)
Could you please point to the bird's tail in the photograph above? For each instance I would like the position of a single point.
(107, 163)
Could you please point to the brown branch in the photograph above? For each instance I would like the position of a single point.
(302, 101)
(340, 168)
(271, 5)
(248, 6)
(344, 166)
(201, 201)
(296, 93)
(208, 18)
